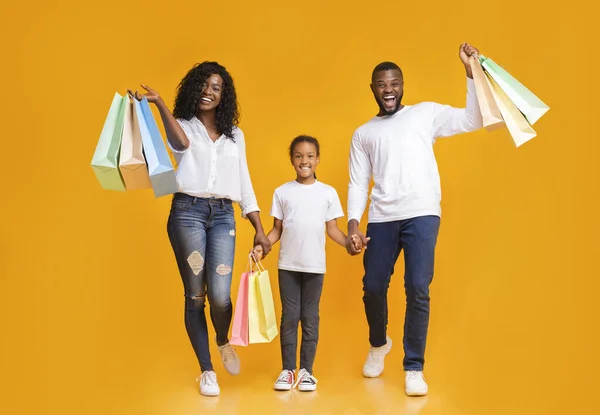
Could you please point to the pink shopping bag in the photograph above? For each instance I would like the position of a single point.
(239, 330)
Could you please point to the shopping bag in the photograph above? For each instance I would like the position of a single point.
(518, 127)
(492, 118)
(131, 160)
(105, 161)
(160, 168)
(239, 329)
(526, 101)
(262, 324)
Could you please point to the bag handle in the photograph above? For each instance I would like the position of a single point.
(259, 265)
(250, 263)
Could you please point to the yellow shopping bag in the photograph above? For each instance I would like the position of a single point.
(262, 325)
(518, 126)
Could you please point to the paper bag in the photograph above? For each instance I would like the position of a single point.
(525, 100)
(262, 324)
(105, 161)
(518, 127)
(239, 329)
(162, 173)
(492, 118)
(131, 161)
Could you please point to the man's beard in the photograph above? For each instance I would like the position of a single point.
(391, 112)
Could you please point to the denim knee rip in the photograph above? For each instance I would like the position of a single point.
(223, 269)
(196, 301)
(196, 262)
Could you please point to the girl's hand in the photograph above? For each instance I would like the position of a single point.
(151, 95)
(357, 242)
(265, 244)
(257, 252)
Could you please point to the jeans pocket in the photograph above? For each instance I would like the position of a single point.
(181, 205)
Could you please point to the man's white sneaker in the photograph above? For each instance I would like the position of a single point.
(285, 381)
(306, 382)
(375, 360)
(208, 384)
(415, 383)
(230, 360)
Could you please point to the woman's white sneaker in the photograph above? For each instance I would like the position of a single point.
(208, 384)
(375, 360)
(285, 381)
(306, 382)
(415, 383)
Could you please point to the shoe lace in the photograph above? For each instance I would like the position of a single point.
(412, 375)
(305, 376)
(375, 352)
(228, 352)
(286, 376)
(208, 378)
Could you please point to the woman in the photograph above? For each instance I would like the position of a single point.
(212, 173)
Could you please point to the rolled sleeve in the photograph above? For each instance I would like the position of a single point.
(248, 202)
(186, 129)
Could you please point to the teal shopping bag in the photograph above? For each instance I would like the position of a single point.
(526, 101)
(160, 168)
(105, 161)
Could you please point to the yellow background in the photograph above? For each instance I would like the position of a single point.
(92, 304)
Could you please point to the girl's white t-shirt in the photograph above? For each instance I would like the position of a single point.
(304, 210)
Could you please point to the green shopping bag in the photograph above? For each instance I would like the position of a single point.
(105, 162)
(526, 101)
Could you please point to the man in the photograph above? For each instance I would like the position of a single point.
(396, 149)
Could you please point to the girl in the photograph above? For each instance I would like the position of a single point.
(212, 173)
(302, 210)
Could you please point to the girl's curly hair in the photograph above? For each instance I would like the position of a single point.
(189, 92)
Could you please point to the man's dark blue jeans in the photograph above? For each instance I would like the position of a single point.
(417, 237)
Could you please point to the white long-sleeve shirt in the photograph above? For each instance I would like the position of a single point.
(397, 152)
(214, 169)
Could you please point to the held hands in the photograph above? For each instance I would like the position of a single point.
(465, 52)
(354, 245)
(356, 242)
(262, 246)
(257, 252)
(151, 95)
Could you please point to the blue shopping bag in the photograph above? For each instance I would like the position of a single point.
(160, 168)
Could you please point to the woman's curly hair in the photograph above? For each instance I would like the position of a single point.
(189, 93)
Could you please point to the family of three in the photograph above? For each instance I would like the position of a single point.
(394, 148)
